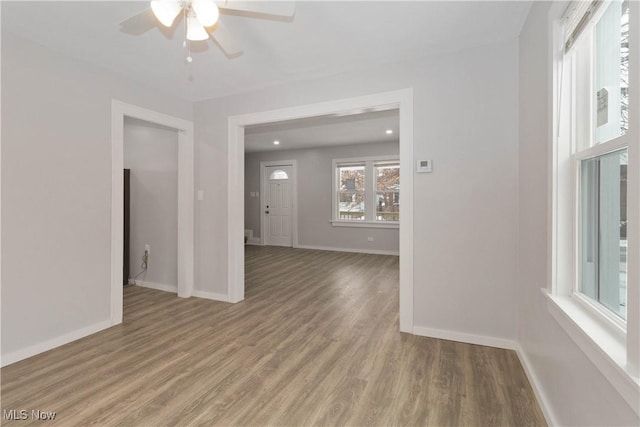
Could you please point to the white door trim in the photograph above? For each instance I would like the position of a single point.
(120, 110)
(294, 199)
(401, 99)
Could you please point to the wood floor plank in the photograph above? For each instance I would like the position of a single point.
(315, 343)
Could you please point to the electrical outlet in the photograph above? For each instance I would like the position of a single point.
(145, 257)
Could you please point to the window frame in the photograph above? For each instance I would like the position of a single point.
(370, 191)
(612, 345)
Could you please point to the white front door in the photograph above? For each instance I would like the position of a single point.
(278, 205)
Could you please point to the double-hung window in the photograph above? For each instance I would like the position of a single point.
(595, 197)
(366, 191)
(351, 191)
(597, 65)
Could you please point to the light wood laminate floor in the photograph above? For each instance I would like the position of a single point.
(315, 342)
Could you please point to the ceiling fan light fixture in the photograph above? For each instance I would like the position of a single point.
(206, 11)
(195, 30)
(166, 11)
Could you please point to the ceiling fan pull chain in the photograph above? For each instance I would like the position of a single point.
(184, 19)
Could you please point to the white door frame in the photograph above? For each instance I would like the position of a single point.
(401, 99)
(294, 199)
(120, 110)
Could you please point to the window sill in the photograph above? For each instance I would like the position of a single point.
(604, 347)
(365, 224)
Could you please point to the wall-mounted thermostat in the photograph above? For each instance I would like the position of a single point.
(424, 166)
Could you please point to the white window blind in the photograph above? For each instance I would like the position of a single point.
(576, 19)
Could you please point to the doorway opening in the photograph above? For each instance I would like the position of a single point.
(400, 100)
(185, 197)
(151, 162)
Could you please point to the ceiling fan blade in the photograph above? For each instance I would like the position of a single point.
(138, 23)
(273, 8)
(226, 40)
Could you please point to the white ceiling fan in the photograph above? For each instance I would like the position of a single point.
(202, 18)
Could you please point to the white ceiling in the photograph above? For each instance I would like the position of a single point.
(323, 131)
(324, 38)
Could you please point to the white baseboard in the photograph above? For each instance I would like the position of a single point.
(16, 356)
(174, 289)
(499, 343)
(157, 286)
(465, 338)
(253, 241)
(360, 251)
(535, 385)
(211, 295)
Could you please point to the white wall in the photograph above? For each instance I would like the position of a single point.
(465, 238)
(575, 390)
(56, 192)
(151, 152)
(315, 196)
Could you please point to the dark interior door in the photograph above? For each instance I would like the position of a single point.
(125, 252)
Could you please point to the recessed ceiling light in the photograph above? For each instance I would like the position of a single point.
(389, 131)
(276, 142)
